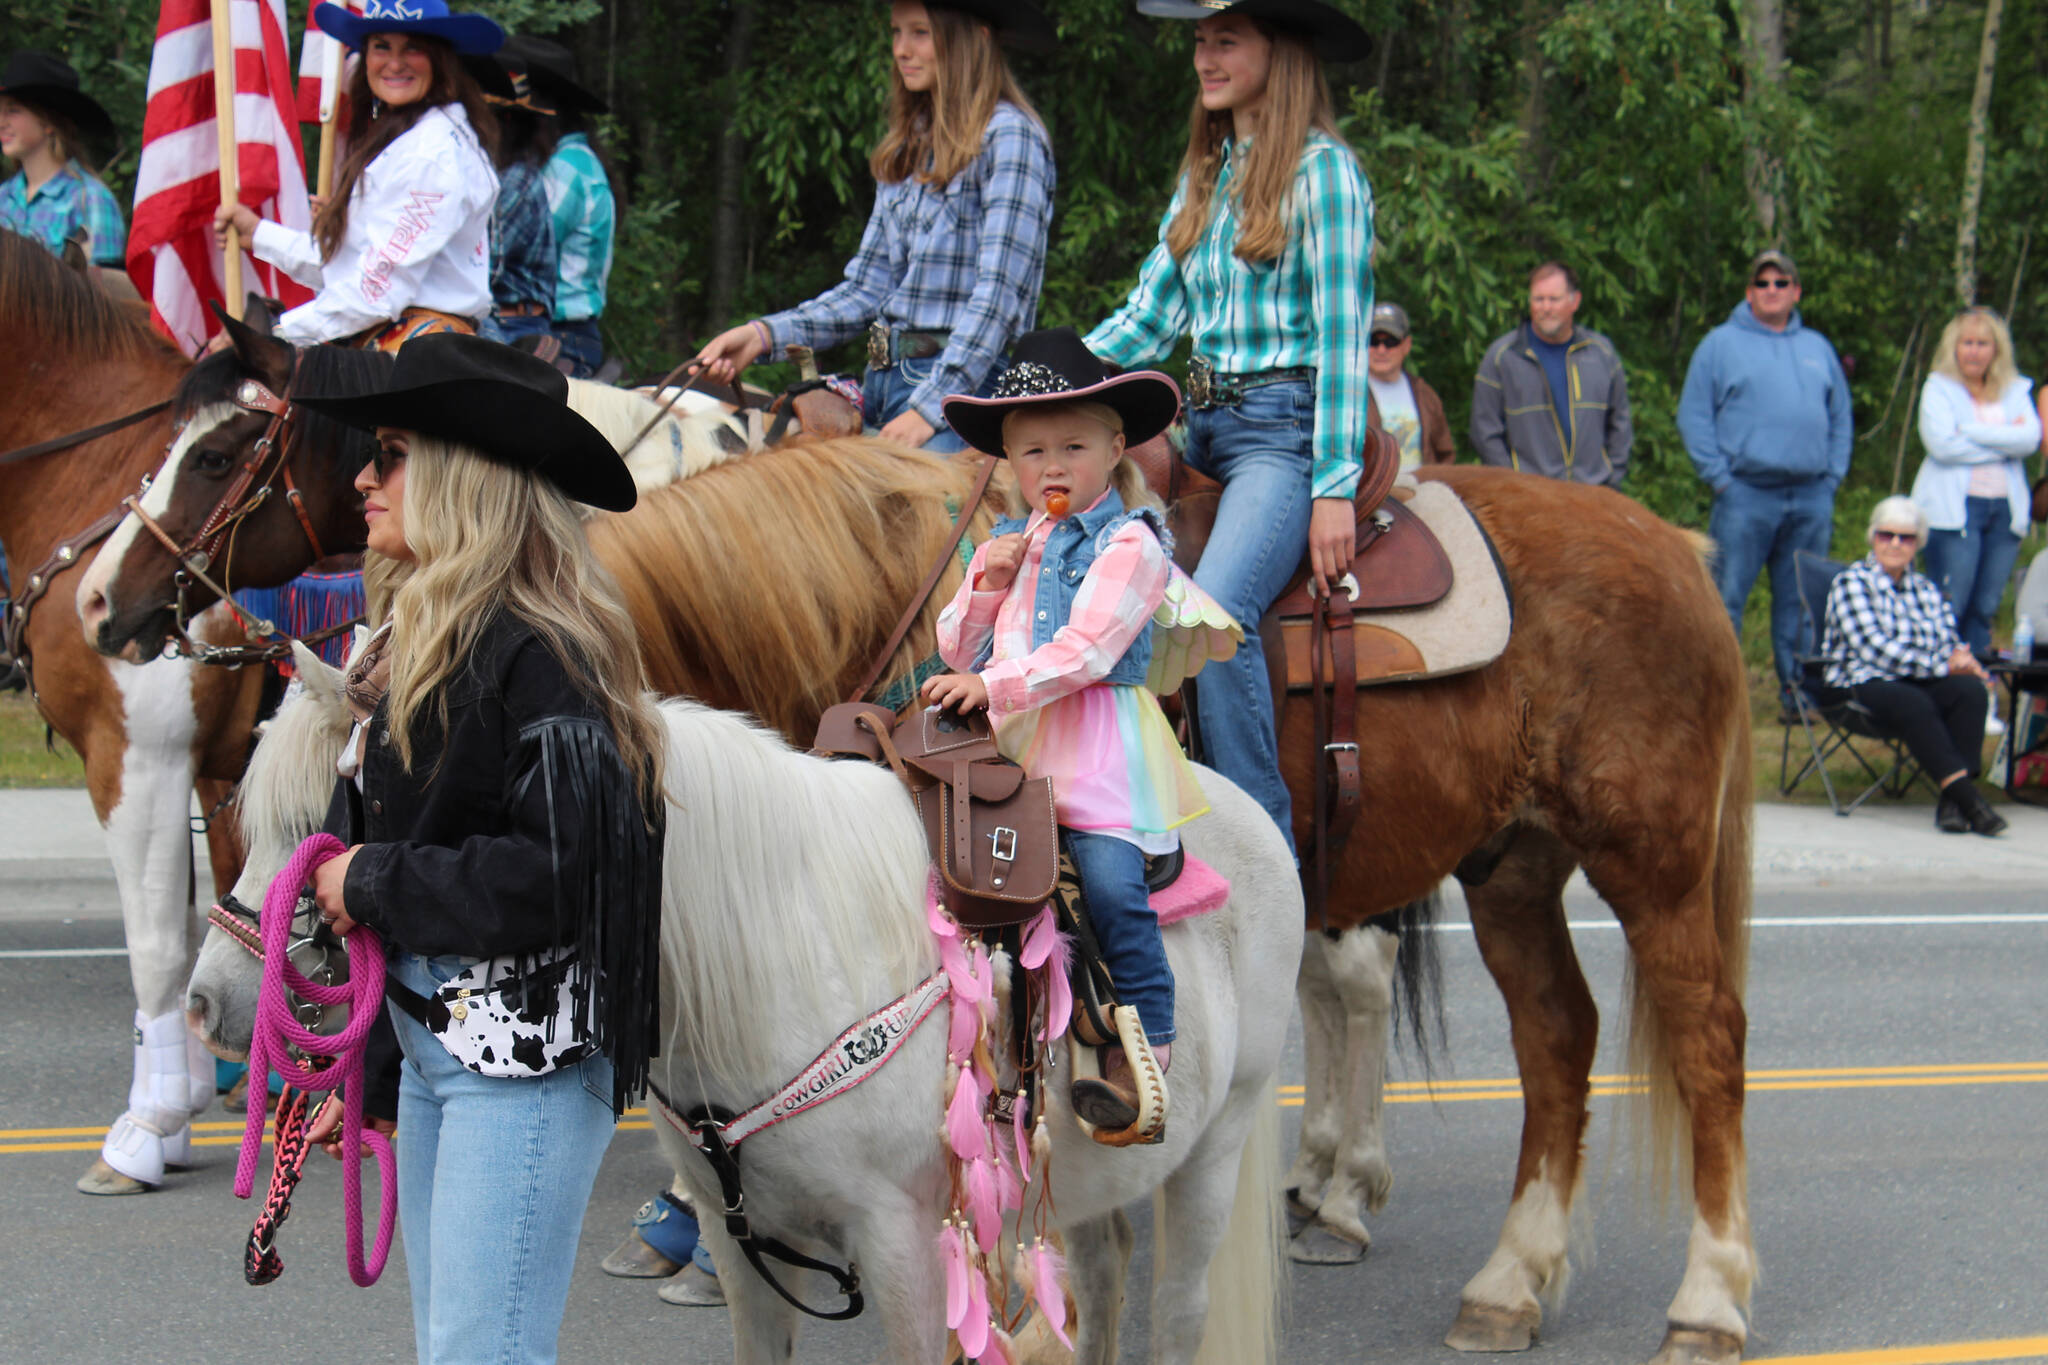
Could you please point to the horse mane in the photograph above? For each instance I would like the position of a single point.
(766, 584)
(67, 311)
(682, 444)
(289, 783)
(788, 878)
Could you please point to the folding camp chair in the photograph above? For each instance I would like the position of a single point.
(1831, 720)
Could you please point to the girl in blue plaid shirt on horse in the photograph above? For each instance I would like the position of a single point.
(1264, 261)
(949, 269)
(53, 194)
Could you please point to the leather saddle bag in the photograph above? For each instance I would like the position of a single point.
(990, 829)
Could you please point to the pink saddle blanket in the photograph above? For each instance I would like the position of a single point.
(1199, 889)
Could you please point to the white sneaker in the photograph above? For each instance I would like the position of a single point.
(1992, 724)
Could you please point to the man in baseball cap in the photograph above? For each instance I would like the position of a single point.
(1400, 403)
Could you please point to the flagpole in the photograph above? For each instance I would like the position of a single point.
(224, 127)
(333, 60)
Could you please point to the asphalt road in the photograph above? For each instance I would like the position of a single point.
(1897, 1129)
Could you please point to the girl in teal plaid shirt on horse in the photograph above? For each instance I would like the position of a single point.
(1264, 261)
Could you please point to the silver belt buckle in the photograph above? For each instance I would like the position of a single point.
(879, 356)
(1201, 383)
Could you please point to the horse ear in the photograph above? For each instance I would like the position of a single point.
(260, 352)
(322, 683)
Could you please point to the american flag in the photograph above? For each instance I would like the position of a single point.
(171, 254)
(324, 65)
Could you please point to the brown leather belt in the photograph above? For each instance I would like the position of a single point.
(522, 310)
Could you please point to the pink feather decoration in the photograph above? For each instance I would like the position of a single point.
(965, 1131)
(961, 1031)
(973, 1328)
(1059, 991)
(1023, 1139)
(953, 1252)
(1009, 1189)
(1048, 1280)
(982, 1202)
(966, 985)
(1038, 940)
(937, 920)
(1001, 1350)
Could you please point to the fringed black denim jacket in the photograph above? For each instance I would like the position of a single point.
(519, 829)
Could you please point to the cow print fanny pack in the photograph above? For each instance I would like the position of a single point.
(500, 1021)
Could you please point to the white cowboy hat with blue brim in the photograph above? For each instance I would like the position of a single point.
(470, 34)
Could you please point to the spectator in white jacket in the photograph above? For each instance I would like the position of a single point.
(1978, 426)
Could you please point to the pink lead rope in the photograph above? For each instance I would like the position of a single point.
(341, 1065)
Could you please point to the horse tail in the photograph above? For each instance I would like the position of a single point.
(1418, 977)
(1660, 1121)
(1247, 1276)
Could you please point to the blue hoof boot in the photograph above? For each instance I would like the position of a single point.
(663, 1236)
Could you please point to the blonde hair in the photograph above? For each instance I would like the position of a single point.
(488, 539)
(935, 134)
(1126, 478)
(2001, 372)
(1297, 102)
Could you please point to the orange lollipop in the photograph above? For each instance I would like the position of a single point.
(1056, 504)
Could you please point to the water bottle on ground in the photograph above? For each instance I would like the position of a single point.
(2023, 640)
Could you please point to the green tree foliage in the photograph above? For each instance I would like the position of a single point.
(1629, 166)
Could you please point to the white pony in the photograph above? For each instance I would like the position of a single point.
(794, 907)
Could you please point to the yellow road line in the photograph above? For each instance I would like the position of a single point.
(1944, 1353)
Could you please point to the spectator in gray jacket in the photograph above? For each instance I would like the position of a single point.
(1550, 397)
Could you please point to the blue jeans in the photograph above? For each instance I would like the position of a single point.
(505, 330)
(1260, 452)
(1112, 874)
(494, 1175)
(1753, 527)
(1972, 567)
(885, 396)
(581, 346)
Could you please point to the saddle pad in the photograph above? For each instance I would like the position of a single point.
(1198, 890)
(1466, 629)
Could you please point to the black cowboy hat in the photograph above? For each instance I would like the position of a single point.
(504, 84)
(550, 69)
(50, 84)
(470, 33)
(1017, 24)
(1053, 366)
(506, 405)
(1335, 35)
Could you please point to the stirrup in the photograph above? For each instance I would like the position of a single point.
(1148, 1082)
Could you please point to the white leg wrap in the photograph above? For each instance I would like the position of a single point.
(159, 1101)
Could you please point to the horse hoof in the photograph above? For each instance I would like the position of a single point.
(1320, 1244)
(104, 1179)
(236, 1100)
(1036, 1345)
(1299, 1215)
(1698, 1346)
(633, 1259)
(693, 1288)
(1482, 1327)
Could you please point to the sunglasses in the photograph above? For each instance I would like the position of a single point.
(1385, 342)
(1901, 537)
(384, 460)
(1772, 284)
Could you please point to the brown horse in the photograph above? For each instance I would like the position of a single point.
(1612, 734)
(146, 734)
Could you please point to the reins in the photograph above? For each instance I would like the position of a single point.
(79, 438)
(336, 1062)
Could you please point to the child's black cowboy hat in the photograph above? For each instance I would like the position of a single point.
(1335, 35)
(551, 70)
(471, 34)
(1017, 24)
(51, 85)
(506, 405)
(1053, 366)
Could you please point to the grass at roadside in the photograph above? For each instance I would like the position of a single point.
(25, 760)
(1767, 740)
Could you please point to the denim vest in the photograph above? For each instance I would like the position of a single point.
(1070, 550)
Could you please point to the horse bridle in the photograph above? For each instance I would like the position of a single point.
(250, 488)
(242, 924)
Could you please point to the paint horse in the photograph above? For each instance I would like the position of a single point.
(771, 946)
(769, 583)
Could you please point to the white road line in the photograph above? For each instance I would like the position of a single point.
(62, 952)
(1816, 921)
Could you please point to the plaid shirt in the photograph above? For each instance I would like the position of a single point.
(70, 199)
(580, 200)
(1308, 308)
(522, 239)
(1878, 630)
(966, 257)
(1123, 588)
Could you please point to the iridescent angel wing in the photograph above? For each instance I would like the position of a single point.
(1189, 629)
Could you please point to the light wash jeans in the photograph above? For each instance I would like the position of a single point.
(494, 1175)
(885, 396)
(1112, 872)
(1260, 452)
(1973, 566)
(1754, 526)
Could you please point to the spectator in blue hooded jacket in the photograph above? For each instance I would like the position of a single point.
(1765, 416)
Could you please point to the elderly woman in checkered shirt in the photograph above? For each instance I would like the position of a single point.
(1891, 642)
